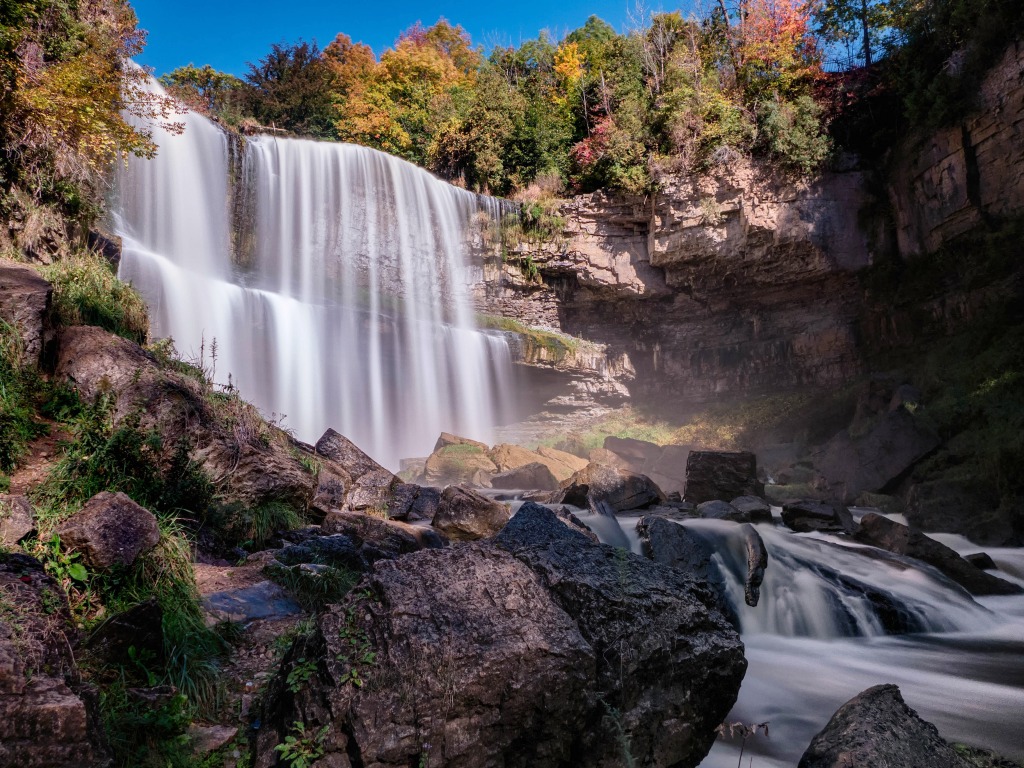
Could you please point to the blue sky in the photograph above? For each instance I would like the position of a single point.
(226, 34)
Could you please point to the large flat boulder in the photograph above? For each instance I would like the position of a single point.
(714, 475)
(459, 463)
(877, 728)
(879, 531)
(541, 649)
(808, 515)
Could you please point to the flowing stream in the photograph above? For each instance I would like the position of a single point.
(327, 282)
(836, 618)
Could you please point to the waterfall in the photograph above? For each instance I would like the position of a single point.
(333, 280)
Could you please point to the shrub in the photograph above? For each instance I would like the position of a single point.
(792, 131)
(87, 292)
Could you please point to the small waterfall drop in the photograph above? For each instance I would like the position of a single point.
(333, 278)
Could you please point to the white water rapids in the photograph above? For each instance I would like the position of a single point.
(333, 279)
(823, 632)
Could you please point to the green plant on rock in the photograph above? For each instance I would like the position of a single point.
(358, 653)
(302, 747)
(299, 675)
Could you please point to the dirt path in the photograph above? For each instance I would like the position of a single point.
(43, 453)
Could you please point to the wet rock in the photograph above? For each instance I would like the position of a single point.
(17, 519)
(714, 475)
(336, 550)
(25, 304)
(981, 560)
(379, 539)
(567, 517)
(344, 452)
(721, 510)
(535, 476)
(539, 649)
(47, 717)
(757, 562)
(876, 727)
(671, 544)
(881, 532)
(262, 601)
(826, 517)
(619, 489)
(873, 461)
(756, 509)
(465, 515)
(110, 529)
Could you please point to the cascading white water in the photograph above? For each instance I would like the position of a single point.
(836, 618)
(332, 278)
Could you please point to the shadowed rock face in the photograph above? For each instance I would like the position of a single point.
(541, 649)
(712, 475)
(45, 722)
(876, 728)
(25, 304)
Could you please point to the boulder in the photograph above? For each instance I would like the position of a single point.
(465, 515)
(344, 452)
(458, 463)
(205, 739)
(637, 454)
(413, 502)
(669, 470)
(17, 519)
(447, 439)
(335, 550)
(372, 492)
(756, 509)
(562, 464)
(109, 530)
(380, 539)
(47, 717)
(966, 506)
(982, 560)
(619, 489)
(721, 510)
(252, 462)
(873, 461)
(535, 476)
(671, 544)
(876, 728)
(826, 517)
(881, 532)
(540, 649)
(714, 475)
(507, 456)
(25, 304)
(328, 496)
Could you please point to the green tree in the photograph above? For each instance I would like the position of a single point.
(292, 87)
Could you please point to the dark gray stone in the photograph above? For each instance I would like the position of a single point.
(110, 529)
(714, 475)
(877, 728)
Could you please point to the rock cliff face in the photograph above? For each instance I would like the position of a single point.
(742, 282)
(737, 282)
